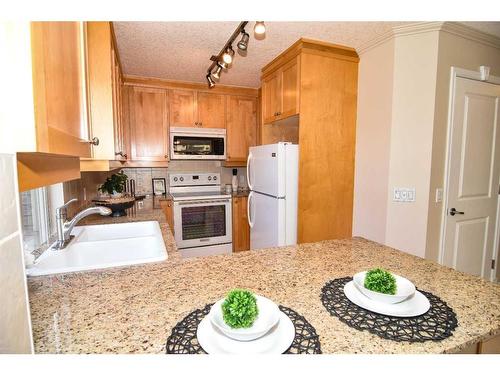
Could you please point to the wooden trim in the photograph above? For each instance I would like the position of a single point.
(133, 80)
(115, 46)
(142, 164)
(313, 47)
(37, 169)
(89, 165)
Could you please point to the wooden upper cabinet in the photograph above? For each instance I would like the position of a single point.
(182, 106)
(271, 97)
(280, 92)
(148, 124)
(211, 110)
(192, 108)
(289, 89)
(241, 127)
(59, 88)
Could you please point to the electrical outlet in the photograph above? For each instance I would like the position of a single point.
(404, 195)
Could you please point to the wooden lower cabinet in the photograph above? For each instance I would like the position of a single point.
(241, 230)
(168, 209)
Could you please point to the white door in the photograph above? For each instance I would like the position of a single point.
(473, 178)
(266, 220)
(265, 169)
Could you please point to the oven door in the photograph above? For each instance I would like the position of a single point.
(196, 145)
(202, 223)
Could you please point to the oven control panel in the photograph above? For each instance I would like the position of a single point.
(193, 179)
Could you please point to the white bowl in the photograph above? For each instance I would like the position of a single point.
(266, 319)
(404, 289)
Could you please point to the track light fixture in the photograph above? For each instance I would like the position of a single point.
(226, 54)
(259, 27)
(243, 43)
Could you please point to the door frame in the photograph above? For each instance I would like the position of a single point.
(455, 73)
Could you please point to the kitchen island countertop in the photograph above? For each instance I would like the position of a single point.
(133, 309)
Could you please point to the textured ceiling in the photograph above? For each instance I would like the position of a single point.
(181, 50)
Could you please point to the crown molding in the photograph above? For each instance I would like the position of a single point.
(454, 28)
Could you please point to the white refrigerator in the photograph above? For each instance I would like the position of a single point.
(272, 175)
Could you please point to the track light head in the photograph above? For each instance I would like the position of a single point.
(217, 72)
(210, 81)
(243, 43)
(259, 28)
(227, 57)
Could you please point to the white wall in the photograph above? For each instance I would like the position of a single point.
(373, 140)
(15, 325)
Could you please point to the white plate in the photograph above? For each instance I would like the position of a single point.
(414, 306)
(404, 289)
(276, 341)
(266, 319)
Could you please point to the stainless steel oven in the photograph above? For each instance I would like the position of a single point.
(197, 143)
(203, 223)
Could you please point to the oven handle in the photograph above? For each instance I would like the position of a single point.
(249, 218)
(248, 170)
(184, 203)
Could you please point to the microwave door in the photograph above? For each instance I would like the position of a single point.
(197, 147)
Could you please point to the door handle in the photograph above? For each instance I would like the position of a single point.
(249, 215)
(248, 171)
(454, 212)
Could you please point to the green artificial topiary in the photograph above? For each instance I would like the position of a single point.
(239, 309)
(379, 280)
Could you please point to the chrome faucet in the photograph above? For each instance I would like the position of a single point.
(64, 227)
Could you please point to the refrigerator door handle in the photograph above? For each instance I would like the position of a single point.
(248, 171)
(249, 216)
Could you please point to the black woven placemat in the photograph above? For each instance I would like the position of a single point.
(436, 324)
(183, 339)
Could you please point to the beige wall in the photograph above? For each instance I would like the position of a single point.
(415, 60)
(462, 53)
(418, 106)
(373, 139)
(15, 325)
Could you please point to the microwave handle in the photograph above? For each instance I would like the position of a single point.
(248, 171)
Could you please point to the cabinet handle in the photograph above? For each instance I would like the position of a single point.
(201, 124)
(196, 124)
(94, 141)
(121, 154)
(166, 156)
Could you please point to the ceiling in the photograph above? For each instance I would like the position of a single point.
(181, 50)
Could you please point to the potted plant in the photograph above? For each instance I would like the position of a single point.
(114, 185)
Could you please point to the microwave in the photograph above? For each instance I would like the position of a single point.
(197, 143)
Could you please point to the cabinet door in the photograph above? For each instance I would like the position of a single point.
(271, 97)
(182, 107)
(168, 210)
(241, 126)
(59, 88)
(148, 124)
(241, 229)
(120, 152)
(211, 110)
(289, 89)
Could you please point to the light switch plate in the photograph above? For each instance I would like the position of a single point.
(439, 195)
(404, 195)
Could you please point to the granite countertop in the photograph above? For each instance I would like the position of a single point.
(133, 309)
